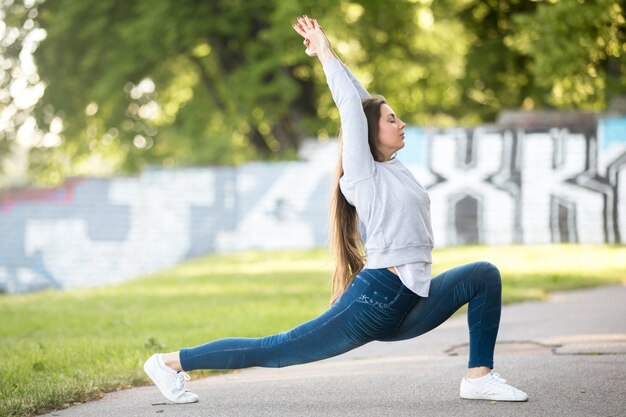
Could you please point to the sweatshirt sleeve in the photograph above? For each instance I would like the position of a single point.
(357, 159)
(357, 84)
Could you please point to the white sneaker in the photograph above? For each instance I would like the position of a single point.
(490, 387)
(168, 381)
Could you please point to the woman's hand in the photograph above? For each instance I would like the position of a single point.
(315, 40)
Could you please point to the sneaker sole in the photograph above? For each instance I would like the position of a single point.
(466, 397)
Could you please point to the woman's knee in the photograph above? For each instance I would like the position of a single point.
(490, 273)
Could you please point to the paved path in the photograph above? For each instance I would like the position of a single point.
(568, 354)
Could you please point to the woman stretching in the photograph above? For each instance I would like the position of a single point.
(389, 293)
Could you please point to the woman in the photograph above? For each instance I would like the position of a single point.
(389, 297)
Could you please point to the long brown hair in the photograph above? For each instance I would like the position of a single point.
(346, 243)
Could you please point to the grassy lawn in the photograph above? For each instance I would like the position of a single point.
(58, 348)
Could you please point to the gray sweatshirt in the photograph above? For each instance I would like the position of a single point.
(390, 202)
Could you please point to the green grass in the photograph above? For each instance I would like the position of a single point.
(58, 348)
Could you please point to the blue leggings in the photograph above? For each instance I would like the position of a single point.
(376, 306)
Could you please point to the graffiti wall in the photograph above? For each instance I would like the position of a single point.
(492, 185)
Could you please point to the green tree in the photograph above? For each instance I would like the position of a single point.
(169, 81)
(576, 51)
(495, 77)
(194, 83)
(18, 78)
(224, 81)
(564, 54)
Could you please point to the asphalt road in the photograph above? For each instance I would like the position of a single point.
(567, 353)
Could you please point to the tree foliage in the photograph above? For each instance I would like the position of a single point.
(220, 82)
(576, 51)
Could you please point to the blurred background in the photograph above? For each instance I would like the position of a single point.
(149, 132)
(177, 157)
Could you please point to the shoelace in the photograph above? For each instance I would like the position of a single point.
(181, 377)
(496, 376)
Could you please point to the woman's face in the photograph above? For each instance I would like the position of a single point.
(390, 132)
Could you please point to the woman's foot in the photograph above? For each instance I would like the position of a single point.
(490, 387)
(170, 382)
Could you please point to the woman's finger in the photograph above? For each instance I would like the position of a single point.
(304, 28)
(298, 29)
(309, 24)
(303, 23)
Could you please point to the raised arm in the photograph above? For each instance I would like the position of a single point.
(357, 159)
(357, 84)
